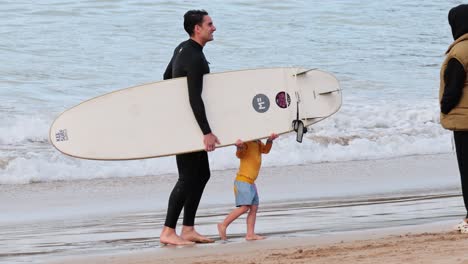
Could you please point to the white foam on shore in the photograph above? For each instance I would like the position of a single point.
(357, 132)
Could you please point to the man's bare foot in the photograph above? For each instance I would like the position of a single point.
(189, 233)
(169, 237)
(254, 237)
(222, 231)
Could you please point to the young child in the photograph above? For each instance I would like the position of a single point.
(250, 155)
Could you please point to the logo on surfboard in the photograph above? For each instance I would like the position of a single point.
(283, 100)
(261, 103)
(61, 135)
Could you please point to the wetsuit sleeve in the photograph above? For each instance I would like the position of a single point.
(454, 77)
(195, 88)
(267, 147)
(240, 153)
(168, 72)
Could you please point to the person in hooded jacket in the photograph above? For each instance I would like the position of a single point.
(453, 96)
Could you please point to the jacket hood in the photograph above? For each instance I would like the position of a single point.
(458, 20)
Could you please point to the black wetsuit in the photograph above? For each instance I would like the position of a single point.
(454, 77)
(194, 171)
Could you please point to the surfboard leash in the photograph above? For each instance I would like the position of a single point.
(297, 124)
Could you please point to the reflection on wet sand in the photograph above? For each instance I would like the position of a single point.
(118, 233)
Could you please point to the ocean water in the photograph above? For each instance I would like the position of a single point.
(386, 55)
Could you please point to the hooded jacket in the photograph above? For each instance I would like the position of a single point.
(453, 93)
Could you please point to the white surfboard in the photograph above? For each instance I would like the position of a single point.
(156, 119)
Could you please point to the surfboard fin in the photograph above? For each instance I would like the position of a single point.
(328, 91)
(304, 72)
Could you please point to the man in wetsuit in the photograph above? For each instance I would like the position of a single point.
(454, 96)
(189, 61)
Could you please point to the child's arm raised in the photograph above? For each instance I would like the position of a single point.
(241, 148)
(269, 143)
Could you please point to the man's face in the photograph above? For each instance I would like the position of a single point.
(206, 29)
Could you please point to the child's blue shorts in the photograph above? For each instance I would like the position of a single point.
(246, 193)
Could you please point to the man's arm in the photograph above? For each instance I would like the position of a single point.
(195, 88)
(454, 77)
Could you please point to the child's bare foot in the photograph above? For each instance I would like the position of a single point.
(254, 237)
(222, 231)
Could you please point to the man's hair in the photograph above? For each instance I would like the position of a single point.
(192, 18)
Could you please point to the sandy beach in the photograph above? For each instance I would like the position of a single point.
(393, 210)
(401, 245)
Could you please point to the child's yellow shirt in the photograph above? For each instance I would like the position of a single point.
(250, 156)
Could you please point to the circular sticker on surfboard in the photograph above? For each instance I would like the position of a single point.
(283, 99)
(261, 103)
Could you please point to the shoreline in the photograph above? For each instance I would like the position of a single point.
(420, 173)
(49, 221)
(427, 243)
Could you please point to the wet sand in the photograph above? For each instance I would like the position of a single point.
(429, 243)
(329, 202)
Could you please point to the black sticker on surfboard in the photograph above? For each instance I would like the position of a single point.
(261, 103)
(283, 99)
